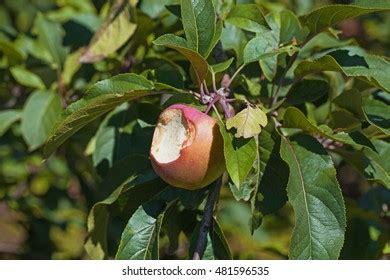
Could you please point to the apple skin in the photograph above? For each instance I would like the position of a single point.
(200, 162)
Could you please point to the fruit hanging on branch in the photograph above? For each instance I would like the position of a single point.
(187, 148)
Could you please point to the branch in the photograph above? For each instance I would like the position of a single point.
(275, 96)
(207, 220)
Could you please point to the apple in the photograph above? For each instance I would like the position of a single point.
(187, 148)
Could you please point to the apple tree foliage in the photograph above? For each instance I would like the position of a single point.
(85, 83)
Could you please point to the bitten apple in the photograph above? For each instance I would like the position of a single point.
(187, 148)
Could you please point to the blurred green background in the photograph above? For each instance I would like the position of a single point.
(44, 204)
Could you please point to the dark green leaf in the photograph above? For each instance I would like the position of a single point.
(129, 193)
(270, 193)
(316, 198)
(99, 99)
(307, 91)
(248, 17)
(127, 130)
(40, 113)
(197, 61)
(351, 100)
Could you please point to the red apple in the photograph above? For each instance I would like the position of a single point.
(187, 148)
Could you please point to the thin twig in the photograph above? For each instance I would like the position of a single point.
(207, 220)
(274, 98)
(235, 74)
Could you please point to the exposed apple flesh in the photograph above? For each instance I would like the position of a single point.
(187, 148)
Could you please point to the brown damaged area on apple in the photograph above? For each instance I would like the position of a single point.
(187, 148)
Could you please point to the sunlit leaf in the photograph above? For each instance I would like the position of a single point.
(351, 62)
(316, 198)
(118, 26)
(50, 35)
(377, 113)
(294, 118)
(140, 238)
(7, 118)
(248, 17)
(199, 23)
(330, 15)
(27, 78)
(248, 122)
(240, 155)
(40, 113)
(99, 99)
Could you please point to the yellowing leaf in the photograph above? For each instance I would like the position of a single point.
(248, 122)
(112, 35)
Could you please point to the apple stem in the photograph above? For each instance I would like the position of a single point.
(207, 221)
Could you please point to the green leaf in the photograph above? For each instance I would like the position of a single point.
(251, 181)
(377, 113)
(113, 132)
(240, 155)
(140, 238)
(40, 113)
(153, 8)
(234, 38)
(351, 62)
(248, 122)
(113, 34)
(351, 100)
(373, 165)
(99, 99)
(270, 193)
(220, 67)
(13, 54)
(199, 23)
(307, 91)
(265, 46)
(217, 247)
(371, 3)
(7, 118)
(316, 198)
(220, 244)
(327, 16)
(197, 61)
(379, 161)
(286, 26)
(248, 17)
(294, 118)
(50, 36)
(71, 66)
(138, 188)
(126, 130)
(27, 78)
